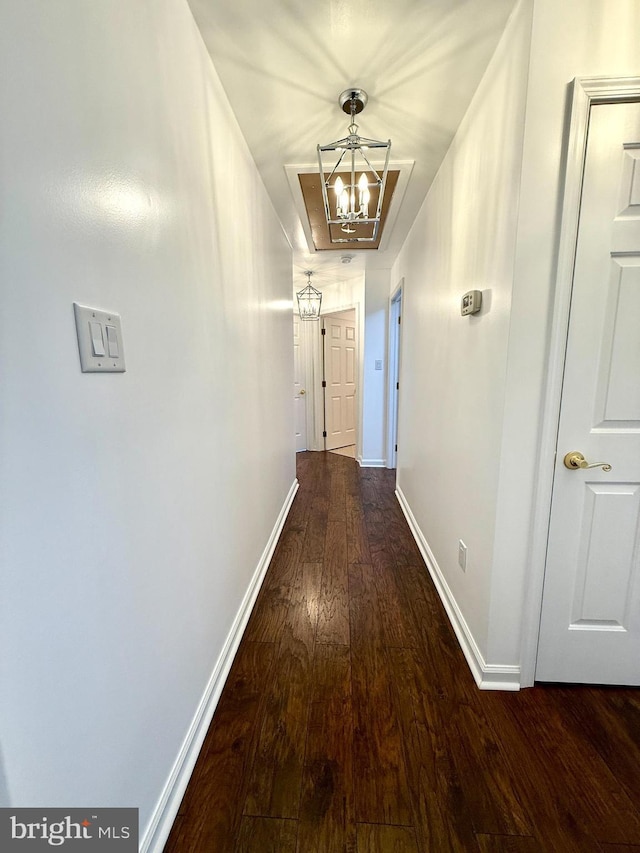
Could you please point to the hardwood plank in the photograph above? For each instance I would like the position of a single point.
(381, 794)
(268, 615)
(509, 844)
(333, 602)
(210, 817)
(313, 549)
(607, 720)
(271, 607)
(284, 563)
(553, 793)
(495, 801)
(398, 622)
(373, 513)
(402, 546)
(337, 497)
(603, 806)
(469, 749)
(438, 793)
(437, 639)
(327, 820)
(267, 835)
(276, 774)
(373, 838)
(299, 512)
(322, 474)
(357, 541)
(352, 479)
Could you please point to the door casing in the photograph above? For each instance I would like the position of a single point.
(393, 375)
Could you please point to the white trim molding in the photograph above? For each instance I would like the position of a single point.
(587, 91)
(159, 826)
(371, 463)
(487, 676)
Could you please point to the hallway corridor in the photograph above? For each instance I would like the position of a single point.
(350, 720)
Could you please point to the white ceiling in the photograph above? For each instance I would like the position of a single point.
(283, 64)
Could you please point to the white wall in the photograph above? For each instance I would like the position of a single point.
(472, 401)
(570, 39)
(134, 508)
(453, 368)
(376, 323)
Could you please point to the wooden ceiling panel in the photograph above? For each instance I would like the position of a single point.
(311, 187)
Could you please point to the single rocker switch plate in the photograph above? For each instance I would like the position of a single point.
(99, 340)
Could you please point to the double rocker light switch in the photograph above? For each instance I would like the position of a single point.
(99, 340)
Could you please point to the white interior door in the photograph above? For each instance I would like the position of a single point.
(299, 390)
(340, 365)
(590, 627)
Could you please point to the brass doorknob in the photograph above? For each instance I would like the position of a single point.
(574, 460)
(302, 392)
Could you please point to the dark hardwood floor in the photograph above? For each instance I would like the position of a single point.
(350, 721)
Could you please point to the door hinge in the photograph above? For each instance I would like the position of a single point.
(399, 320)
(323, 331)
(324, 434)
(324, 383)
(396, 448)
(397, 386)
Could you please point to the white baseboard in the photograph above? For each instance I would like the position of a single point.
(372, 463)
(165, 812)
(488, 676)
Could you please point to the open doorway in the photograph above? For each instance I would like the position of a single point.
(340, 362)
(395, 332)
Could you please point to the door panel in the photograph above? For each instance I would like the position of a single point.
(619, 388)
(601, 595)
(590, 625)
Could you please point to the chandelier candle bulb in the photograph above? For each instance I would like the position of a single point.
(341, 196)
(363, 185)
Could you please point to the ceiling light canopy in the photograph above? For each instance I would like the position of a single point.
(352, 189)
(309, 301)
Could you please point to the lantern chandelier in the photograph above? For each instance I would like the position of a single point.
(309, 300)
(348, 196)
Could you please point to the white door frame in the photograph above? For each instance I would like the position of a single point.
(304, 360)
(586, 92)
(393, 367)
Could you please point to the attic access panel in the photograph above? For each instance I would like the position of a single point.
(311, 188)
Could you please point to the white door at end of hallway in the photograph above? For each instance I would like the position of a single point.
(299, 390)
(340, 368)
(590, 625)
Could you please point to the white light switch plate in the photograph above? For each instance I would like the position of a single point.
(99, 340)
